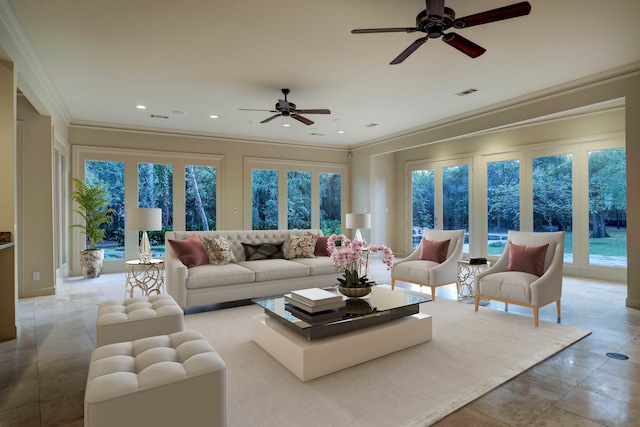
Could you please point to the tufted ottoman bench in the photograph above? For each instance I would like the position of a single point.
(134, 318)
(167, 380)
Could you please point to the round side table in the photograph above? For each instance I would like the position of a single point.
(148, 278)
(466, 273)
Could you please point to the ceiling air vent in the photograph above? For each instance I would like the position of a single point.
(467, 92)
(371, 125)
(158, 116)
(317, 134)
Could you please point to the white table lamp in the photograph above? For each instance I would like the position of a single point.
(144, 219)
(357, 221)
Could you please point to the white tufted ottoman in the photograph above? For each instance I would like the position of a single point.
(134, 318)
(168, 380)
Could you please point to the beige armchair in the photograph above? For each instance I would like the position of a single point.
(509, 281)
(413, 269)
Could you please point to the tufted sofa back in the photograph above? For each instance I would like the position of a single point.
(237, 237)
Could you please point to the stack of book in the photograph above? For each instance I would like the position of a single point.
(315, 305)
(473, 260)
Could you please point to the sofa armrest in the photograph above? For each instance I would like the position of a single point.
(176, 274)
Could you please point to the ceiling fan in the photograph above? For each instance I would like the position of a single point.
(437, 18)
(288, 109)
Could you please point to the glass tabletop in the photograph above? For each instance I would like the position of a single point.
(381, 305)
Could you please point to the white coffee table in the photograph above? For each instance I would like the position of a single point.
(312, 358)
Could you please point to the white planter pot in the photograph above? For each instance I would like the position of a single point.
(91, 262)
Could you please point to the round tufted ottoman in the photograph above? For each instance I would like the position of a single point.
(134, 318)
(167, 380)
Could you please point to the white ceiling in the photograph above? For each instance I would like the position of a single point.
(206, 57)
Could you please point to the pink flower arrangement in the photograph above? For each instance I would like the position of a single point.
(348, 257)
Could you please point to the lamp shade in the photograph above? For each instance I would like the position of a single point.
(358, 220)
(144, 219)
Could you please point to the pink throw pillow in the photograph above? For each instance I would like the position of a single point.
(434, 251)
(190, 251)
(527, 259)
(321, 245)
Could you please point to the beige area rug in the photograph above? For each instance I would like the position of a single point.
(469, 355)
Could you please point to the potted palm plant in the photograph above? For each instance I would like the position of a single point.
(93, 202)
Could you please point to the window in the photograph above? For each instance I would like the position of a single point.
(200, 197)
(608, 207)
(298, 200)
(553, 197)
(330, 203)
(155, 190)
(422, 202)
(455, 198)
(503, 202)
(280, 194)
(111, 176)
(145, 179)
(264, 200)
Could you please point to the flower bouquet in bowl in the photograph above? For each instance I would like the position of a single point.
(352, 257)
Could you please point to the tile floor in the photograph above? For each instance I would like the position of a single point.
(43, 372)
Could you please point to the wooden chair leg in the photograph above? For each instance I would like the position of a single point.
(477, 301)
(535, 315)
(393, 283)
(558, 306)
(433, 293)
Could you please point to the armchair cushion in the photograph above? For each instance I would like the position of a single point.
(190, 251)
(434, 251)
(527, 259)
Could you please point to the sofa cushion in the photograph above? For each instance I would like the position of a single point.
(275, 269)
(218, 250)
(527, 259)
(434, 251)
(190, 251)
(302, 246)
(206, 276)
(258, 251)
(319, 265)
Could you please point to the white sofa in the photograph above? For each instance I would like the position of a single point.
(240, 280)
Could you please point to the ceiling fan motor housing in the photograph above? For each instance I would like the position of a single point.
(433, 28)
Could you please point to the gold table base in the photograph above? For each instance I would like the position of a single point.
(147, 278)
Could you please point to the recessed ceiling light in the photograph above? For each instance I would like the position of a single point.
(141, 107)
(286, 125)
(340, 131)
(213, 116)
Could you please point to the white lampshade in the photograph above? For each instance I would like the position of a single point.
(144, 219)
(358, 220)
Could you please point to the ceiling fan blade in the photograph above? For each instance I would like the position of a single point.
(314, 111)
(506, 12)
(253, 109)
(270, 118)
(384, 30)
(435, 10)
(302, 119)
(408, 51)
(465, 46)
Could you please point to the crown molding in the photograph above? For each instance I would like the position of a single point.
(33, 81)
